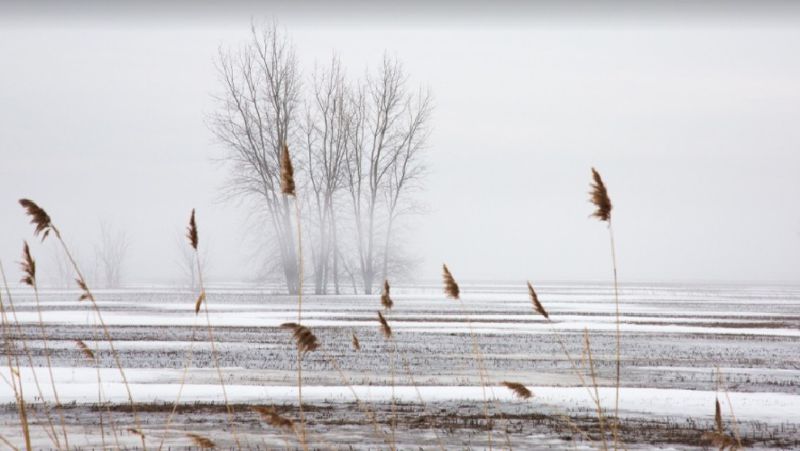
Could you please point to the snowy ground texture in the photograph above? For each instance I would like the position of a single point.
(672, 339)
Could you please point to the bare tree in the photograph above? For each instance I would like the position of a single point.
(255, 120)
(326, 130)
(388, 130)
(111, 253)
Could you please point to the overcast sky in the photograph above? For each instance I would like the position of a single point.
(691, 114)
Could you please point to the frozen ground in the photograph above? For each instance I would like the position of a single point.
(673, 338)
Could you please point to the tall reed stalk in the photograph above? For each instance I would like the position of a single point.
(452, 291)
(193, 236)
(28, 266)
(599, 198)
(13, 370)
(288, 189)
(45, 226)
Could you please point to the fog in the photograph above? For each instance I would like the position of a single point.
(690, 115)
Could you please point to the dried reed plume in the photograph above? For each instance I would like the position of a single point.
(356, 343)
(28, 265)
(85, 349)
(536, 304)
(273, 418)
(86, 295)
(39, 218)
(519, 390)
(287, 172)
(200, 299)
(191, 231)
(450, 285)
(386, 300)
(201, 442)
(385, 329)
(306, 340)
(135, 431)
(600, 198)
(718, 416)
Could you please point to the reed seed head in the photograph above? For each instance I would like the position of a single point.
(39, 218)
(273, 418)
(199, 302)
(28, 265)
(518, 389)
(356, 343)
(535, 300)
(136, 432)
(85, 349)
(85, 293)
(718, 416)
(191, 231)
(386, 300)
(287, 172)
(385, 329)
(599, 197)
(306, 340)
(201, 442)
(450, 285)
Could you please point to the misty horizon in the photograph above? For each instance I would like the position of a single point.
(105, 118)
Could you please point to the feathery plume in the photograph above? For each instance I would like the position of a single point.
(287, 172)
(600, 198)
(199, 302)
(136, 432)
(356, 343)
(85, 293)
(201, 442)
(718, 416)
(85, 349)
(385, 329)
(191, 231)
(28, 265)
(536, 304)
(306, 340)
(273, 418)
(386, 300)
(450, 285)
(39, 218)
(519, 390)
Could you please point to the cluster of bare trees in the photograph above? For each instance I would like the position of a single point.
(356, 144)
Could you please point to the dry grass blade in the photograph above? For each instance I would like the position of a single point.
(201, 442)
(39, 217)
(85, 349)
(385, 329)
(86, 295)
(600, 198)
(306, 340)
(386, 300)
(519, 390)
(718, 416)
(287, 172)
(273, 418)
(356, 343)
(536, 304)
(199, 302)
(28, 266)
(191, 231)
(450, 285)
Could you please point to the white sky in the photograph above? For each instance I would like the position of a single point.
(692, 120)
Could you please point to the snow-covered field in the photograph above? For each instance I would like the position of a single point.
(673, 339)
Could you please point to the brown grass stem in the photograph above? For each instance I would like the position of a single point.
(600, 416)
